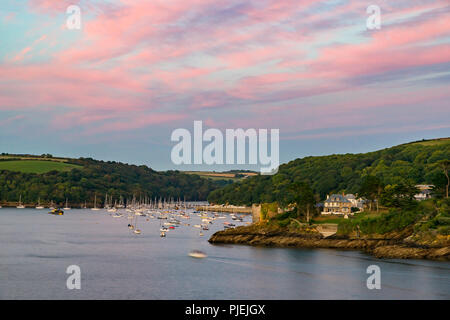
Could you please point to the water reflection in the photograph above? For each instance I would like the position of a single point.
(116, 264)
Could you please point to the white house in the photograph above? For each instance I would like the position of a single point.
(425, 191)
(341, 204)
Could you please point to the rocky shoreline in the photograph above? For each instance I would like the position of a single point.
(398, 245)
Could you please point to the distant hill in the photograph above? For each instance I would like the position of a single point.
(79, 180)
(413, 162)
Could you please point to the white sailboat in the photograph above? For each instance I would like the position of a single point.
(136, 230)
(114, 208)
(67, 206)
(39, 207)
(95, 204)
(106, 205)
(20, 206)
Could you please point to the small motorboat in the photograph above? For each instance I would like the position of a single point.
(197, 254)
(57, 212)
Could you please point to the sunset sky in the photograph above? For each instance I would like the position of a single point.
(137, 70)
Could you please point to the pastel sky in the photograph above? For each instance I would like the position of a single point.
(137, 70)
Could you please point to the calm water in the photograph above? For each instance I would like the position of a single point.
(36, 248)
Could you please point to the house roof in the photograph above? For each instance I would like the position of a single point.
(337, 198)
(424, 186)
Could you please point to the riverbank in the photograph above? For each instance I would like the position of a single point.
(399, 245)
(229, 209)
(33, 205)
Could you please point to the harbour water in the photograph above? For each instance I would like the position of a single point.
(36, 248)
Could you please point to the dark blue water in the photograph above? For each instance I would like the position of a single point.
(36, 248)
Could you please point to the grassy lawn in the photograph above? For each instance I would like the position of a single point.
(433, 142)
(219, 175)
(36, 166)
(358, 216)
(327, 219)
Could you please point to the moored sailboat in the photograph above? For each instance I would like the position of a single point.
(95, 204)
(136, 230)
(20, 206)
(39, 207)
(67, 206)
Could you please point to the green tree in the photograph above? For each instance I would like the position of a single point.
(445, 165)
(399, 195)
(303, 197)
(371, 188)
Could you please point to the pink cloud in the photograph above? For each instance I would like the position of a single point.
(134, 58)
(132, 123)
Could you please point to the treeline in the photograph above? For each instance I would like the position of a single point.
(399, 166)
(100, 178)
